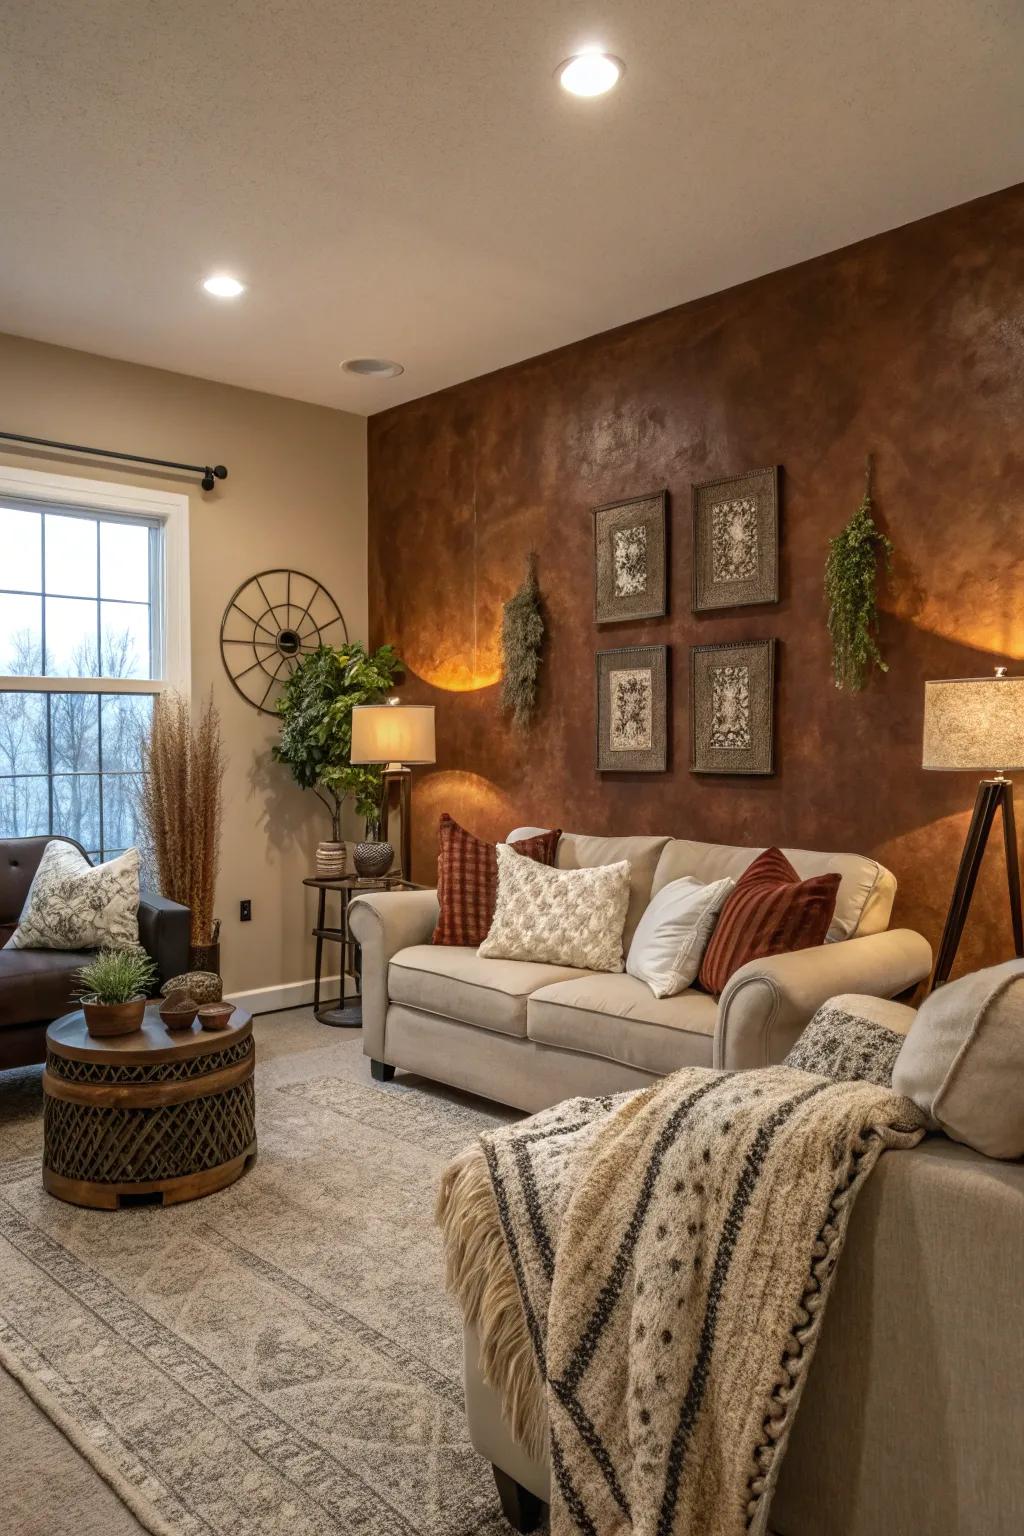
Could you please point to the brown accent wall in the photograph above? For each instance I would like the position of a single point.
(910, 345)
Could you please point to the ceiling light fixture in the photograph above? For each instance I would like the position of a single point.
(590, 73)
(373, 367)
(223, 287)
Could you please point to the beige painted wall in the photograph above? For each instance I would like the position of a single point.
(295, 496)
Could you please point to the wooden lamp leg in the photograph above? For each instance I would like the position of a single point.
(993, 795)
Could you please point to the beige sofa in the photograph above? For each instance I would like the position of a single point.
(529, 1034)
(912, 1421)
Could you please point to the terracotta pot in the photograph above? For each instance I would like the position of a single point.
(179, 1015)
(216, 1015)
(105, 1019)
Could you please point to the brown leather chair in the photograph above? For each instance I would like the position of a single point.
(38, 985)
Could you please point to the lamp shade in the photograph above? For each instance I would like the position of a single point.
(974, 722)
(393, 733)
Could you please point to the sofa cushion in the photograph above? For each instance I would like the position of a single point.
(576, 850)
(75, 905)
(467, 879)
(559, 916)
(617, 1017)
(770, 911)
(963, 1060)
(866, 888)
(457, 984)
(37, 985)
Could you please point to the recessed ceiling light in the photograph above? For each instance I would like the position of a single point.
(373, 367)
(223, 287)
(590, 73)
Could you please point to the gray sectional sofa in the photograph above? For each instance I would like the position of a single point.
(529, 1034)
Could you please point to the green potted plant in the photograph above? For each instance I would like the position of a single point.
(316, 734)
(113, 989)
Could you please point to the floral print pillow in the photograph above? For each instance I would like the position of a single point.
(73, 904)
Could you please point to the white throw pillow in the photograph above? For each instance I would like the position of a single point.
(671, 937)
(72, 904)
(559, 916)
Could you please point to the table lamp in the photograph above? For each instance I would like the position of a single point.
(400, 736)
(977, 723)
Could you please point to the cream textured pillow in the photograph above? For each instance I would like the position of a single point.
(963, 1060)
(72, 904)
(672, 935)
(560, 916)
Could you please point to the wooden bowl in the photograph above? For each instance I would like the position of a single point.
(179, 1015)
(216, 1015)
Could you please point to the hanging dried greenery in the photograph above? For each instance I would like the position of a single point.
(522, 632)
(850, 591)
(181, 802)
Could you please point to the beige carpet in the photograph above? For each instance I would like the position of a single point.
(277, 1358)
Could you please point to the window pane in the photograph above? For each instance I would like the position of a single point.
(21, 636)
(76, 807)
(70, 555)
(124, 561)
(74, 732)
(70, 637)
(24, 807)
(120, 811)
(21, 542)
(126, 718)
(125, 640)
(22, 733)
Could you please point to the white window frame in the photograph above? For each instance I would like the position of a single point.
(170, 595)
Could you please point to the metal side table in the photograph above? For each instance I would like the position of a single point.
(344, 1012)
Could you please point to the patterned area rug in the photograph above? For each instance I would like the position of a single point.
(277, 1358)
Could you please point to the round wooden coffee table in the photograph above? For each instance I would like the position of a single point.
(149, 1118)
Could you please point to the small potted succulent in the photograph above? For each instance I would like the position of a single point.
(113, 989)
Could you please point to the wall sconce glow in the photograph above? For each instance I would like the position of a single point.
(223, 286)
(590, 73)
(372, 367)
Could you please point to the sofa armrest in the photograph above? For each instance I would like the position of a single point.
(383, 923)
(164, 933)
(767, 1003)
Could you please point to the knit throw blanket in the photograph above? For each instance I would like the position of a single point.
(647, 1276)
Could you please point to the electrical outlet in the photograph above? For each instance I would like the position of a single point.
(245, 911)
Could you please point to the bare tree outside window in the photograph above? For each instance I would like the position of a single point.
(70, 761)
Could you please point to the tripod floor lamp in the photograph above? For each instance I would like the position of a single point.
(977, 723)
(400, 736)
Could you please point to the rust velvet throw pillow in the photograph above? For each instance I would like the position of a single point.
(771, 911)
(467, 879)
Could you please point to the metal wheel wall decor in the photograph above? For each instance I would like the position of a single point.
(270, 623)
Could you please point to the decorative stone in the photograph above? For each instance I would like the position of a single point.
(202, 986)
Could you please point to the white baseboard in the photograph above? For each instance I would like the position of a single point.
(294, 994)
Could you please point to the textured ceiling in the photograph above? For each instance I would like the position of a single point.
(404, 177)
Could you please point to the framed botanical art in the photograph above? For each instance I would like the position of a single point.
(736, 541)
(632, 709)
(732, 708)
(629, 559)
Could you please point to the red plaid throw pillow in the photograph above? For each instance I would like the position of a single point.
(467, 880)
(769, 911)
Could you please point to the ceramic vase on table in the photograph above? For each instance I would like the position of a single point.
(331, 860)
(373, 859)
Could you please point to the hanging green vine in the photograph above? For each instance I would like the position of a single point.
(522, 631)
(850, 591)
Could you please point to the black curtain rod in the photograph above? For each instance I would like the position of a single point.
(209, 472)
